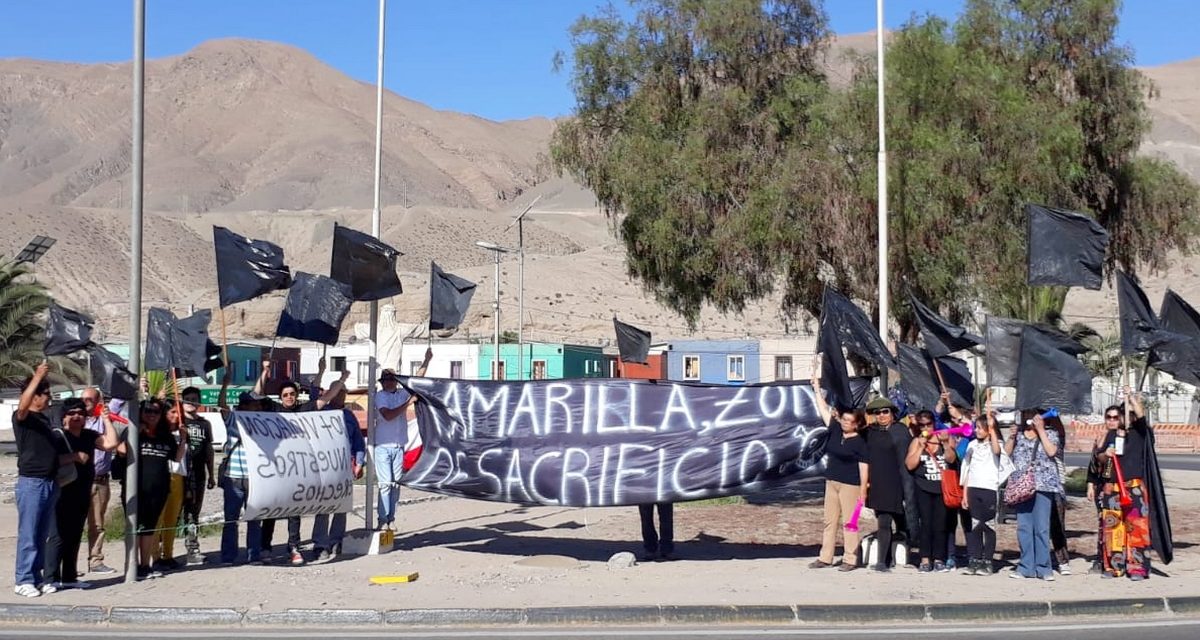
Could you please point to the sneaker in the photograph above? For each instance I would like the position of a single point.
(102, 570)
(1017, 575)
(941, 567)
(323, 556)
(1108, 575)
(143, 572)
(985, 568)
(295, 558)
(847, 566)
(925, 568)
(49, 588)
(971, 568)
(1049, 577)
(167, 564)
(1064, 569)
(1136, 577)
(79, 584)
(951, 564)
(818, 564)
(27, 591)
(195, 558)
(335, 551)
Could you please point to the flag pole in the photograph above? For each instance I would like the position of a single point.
(135, 277)
(373, 361)
(882, 179)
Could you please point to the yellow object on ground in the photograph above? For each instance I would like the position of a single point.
(411, 577)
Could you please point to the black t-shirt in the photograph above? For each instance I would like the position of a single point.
(85, 442)
(1133, 461)
(153, 454)
(928, 474)
(200, 442)
(843, 456)
(38, 446)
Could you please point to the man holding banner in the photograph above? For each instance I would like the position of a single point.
(391, 436)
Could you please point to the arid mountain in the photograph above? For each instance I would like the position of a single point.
(272, 143)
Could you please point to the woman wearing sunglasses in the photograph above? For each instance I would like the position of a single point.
(39, 454)
(75, 497)
(157, 446)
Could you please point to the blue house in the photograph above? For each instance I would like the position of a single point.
(713, 361)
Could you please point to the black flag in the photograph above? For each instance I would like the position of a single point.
(919, 379)
(1140, 331)
(835, 378)
(1002, 345)
(1065, 248)
(632, 342)
(1180, 357)
(1048, 376)
(247, 268)
(67, 331)
(315, 308)
(365, 263)
(178, 343)
(449, 298)
(111, 374)
(941, 336)
(854, 329)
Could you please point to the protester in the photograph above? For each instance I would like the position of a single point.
(1060, 556)
(928, 455)
(168, 522)
(1033, 447)
(39, 454)
(1099, 473)
(846, 476)
(391, 435)
(100, 492)
(1125, 525)
(71, 510)
(658, 545)
(886, 441)
(233, 476)
(200, 471)
(327, 532)
(984, 468)
(289, 402)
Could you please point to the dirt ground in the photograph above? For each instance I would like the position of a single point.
(478, 554)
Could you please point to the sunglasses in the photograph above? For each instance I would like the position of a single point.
(288, 394)
(877, 412)
(924, 424)
(75, 413)
(1112, 417)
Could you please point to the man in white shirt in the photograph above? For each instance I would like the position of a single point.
(391, 436)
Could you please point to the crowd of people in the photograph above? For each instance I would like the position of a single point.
(927, 474)
(923, 476)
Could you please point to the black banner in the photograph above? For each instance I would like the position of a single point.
(1065, 248)
(606, 442)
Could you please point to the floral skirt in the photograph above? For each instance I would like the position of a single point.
(1125, 530)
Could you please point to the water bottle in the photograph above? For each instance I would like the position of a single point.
(1119, 445)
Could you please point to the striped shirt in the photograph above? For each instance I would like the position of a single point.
(234, 451)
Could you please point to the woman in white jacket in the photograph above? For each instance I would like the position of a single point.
(984, 467)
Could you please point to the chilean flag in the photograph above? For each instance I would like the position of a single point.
(412, 450)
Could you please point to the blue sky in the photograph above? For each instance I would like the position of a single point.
(487, 57)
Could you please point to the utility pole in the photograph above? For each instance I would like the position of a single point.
(135, 279)
(376, 213)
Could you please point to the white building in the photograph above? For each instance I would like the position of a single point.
(785, 359)
(450, 360)
(459, 360)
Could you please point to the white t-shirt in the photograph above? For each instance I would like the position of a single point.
(394, 432)
(982, 467)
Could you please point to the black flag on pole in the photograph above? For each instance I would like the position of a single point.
(1065, 248)
(365, 263)
(919, 379)
(315, 309)
(1049, 376)
(449, 298)
(835, 377)
(854, 329)
(67, 331)
(632, 343)
(1140, 330)
(178, 343)
(941, 336)
(111, 374)
(1181, 356)
(247, 268)
(1002, 350)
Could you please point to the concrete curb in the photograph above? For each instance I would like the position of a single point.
(637, 616)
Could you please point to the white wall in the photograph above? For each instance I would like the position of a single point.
(800, 350)
(443, 354)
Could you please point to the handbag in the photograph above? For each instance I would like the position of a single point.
(952, 493)
(179, 467)
(67, 473)
(1022, 487)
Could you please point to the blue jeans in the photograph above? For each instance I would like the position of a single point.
(328, 531)
(389, 466)
(35, 510)
(1033, 535)
(235, 501)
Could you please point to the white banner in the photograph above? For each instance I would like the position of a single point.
(298, 464)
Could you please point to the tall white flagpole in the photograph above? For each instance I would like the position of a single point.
(135, 277)
(882, 179)
(375, 231)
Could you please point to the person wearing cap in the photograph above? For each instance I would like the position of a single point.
(200, 475)
(391, 436)
(887, 444)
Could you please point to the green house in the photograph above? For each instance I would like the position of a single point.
(543, 361)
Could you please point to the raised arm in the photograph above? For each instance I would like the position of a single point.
(914, 453)
(424, 363)
(332, 392)
(25, 404)
(818, 392)
(109, 440)
(222, 403)
(261, 384)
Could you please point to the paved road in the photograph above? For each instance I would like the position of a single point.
(1093, 630)
(1176, 461)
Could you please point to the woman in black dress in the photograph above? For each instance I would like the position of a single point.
(885, 493)
(157, 446)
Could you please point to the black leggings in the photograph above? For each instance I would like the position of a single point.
(883, 536)
(1058, 531)
(66, 531)
(933, 524)
(981, 541)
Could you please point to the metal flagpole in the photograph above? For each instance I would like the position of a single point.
(375, 231)
(882, 179)
(135, 281)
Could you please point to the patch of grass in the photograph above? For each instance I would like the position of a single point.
(715, 502)
(1076, 481)
(114, 527)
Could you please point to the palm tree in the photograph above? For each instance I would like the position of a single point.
(23, 300)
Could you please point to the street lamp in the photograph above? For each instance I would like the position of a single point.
(520, 222)
(496, 251)
(35, 249)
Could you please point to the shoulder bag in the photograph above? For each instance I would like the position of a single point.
(1022, 486)
(67, 473)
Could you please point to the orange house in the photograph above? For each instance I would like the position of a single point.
(654, 369)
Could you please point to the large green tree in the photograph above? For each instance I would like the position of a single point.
(23, 301)
(733, 167)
